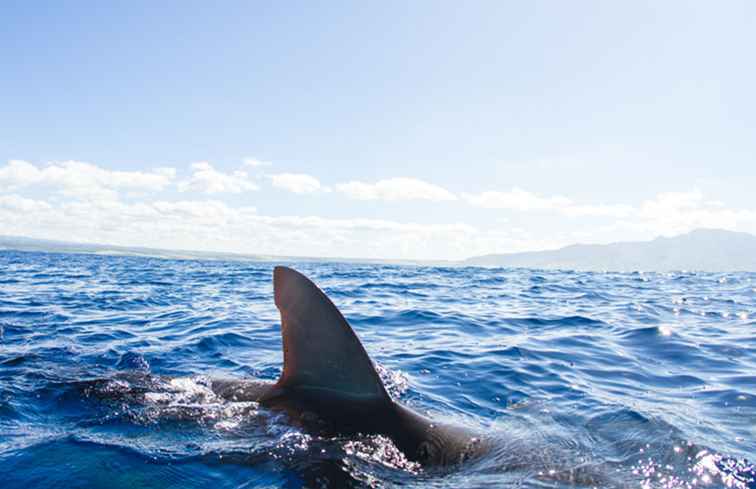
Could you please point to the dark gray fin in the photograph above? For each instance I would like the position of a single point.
(322, 354)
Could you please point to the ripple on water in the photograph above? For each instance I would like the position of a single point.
(582, 379)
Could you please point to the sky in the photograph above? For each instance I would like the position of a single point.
(410, 130)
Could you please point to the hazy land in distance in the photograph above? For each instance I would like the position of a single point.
(711, 250)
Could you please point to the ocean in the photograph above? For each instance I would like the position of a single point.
(643, 380)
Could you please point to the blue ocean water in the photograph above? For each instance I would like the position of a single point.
(582, 379)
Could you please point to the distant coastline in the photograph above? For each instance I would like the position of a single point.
(711, 250)
(22, 243)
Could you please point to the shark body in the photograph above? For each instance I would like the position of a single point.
(329, 383)
(330, 387)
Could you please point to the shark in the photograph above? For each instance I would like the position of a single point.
(329, 384)
(330, 387)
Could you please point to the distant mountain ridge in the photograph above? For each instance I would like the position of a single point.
(711, 250)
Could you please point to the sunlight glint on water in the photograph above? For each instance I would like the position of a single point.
(583, 379)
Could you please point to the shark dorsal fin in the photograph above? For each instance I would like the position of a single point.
(322, 354)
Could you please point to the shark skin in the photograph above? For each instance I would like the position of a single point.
(330, 386)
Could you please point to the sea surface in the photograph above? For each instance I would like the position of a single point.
(582, 379)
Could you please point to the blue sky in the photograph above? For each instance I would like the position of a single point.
(382, 129)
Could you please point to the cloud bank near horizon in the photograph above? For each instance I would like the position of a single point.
(199, 208)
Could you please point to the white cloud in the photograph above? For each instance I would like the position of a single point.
(83, 180)
(18, 203)
(394, 189)
(19, 173)
(676, 212)
(255, 163)
(95, 212)
(299, 183)
(215, 225)
(206, 179)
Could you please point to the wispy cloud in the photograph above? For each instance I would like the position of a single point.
(598, 210)
(521, 200)
(255, 163)
(394, 189)
(206, 179)
(299, 183)
(517, 199)
(667, 213)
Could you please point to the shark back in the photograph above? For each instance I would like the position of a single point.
(328, 373)
(323, 357)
